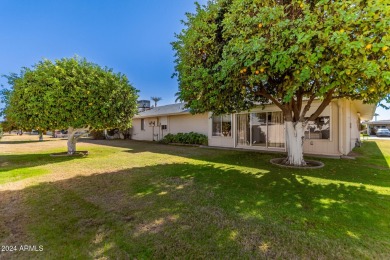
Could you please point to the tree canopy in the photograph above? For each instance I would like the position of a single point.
(234, 54)
(70, 92)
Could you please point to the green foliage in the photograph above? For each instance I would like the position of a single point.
(70, 93)
(8, 126)
(1, 132)
(234, 54)
(4, 99)
(185, 138)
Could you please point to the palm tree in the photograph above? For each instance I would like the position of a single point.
(155, 99)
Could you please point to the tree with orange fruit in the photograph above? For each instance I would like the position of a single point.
(71, 94)
(289, 53)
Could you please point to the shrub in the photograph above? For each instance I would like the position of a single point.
(97, 134)
(185, 138)
(1, 132)
(169, 138)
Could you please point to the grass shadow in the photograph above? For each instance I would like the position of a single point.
(186, 210)
(363, 170)
(24, 142)
(17, 167)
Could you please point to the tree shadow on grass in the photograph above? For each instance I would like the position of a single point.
(358, 171)
(134, 146)
(196, 210)
(24, 142)
(18, 167)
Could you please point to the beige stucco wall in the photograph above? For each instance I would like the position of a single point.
(175, 124)
(348, 125)
(344, 129)
(324, 146)
(314, 146)
(188, 123)
(354, 126)
(147, 134)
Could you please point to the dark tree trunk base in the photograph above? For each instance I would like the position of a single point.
(309, 164)
(63, 154)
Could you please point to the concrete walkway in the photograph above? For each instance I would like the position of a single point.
(374, 137)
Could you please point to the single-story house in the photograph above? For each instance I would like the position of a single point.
(335, 132)
(372, 126)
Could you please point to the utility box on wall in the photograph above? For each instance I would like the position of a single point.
(163, 120)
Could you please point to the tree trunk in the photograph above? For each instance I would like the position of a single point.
(40, 136)
(295, 136)
(72, 138)
(71, 141)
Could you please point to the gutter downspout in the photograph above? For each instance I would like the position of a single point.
(340, 108)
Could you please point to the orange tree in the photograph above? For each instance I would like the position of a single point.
(71, 94)
(235, 54)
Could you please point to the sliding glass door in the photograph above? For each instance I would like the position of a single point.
(264, 129)
(276, 130)
(243, 130)
(259, 129)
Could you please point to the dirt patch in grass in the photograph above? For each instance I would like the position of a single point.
(64, 154)
(28, 143)
(310, 164)
(13, 220)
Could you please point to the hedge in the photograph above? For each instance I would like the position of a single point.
(185, 138)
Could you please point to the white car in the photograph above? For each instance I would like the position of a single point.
(383, 132)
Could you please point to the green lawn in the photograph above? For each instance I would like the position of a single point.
(130, 200)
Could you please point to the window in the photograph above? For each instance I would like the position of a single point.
(164, 127)
(222, 125)
(319, 129)
(142, 124)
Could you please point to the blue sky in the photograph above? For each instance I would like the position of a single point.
(132, 37)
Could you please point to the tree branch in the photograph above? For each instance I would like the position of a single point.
(307, 107)
(299, 102)
(79, 130)
(323, 105)
(295, 108)
(263, 93)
